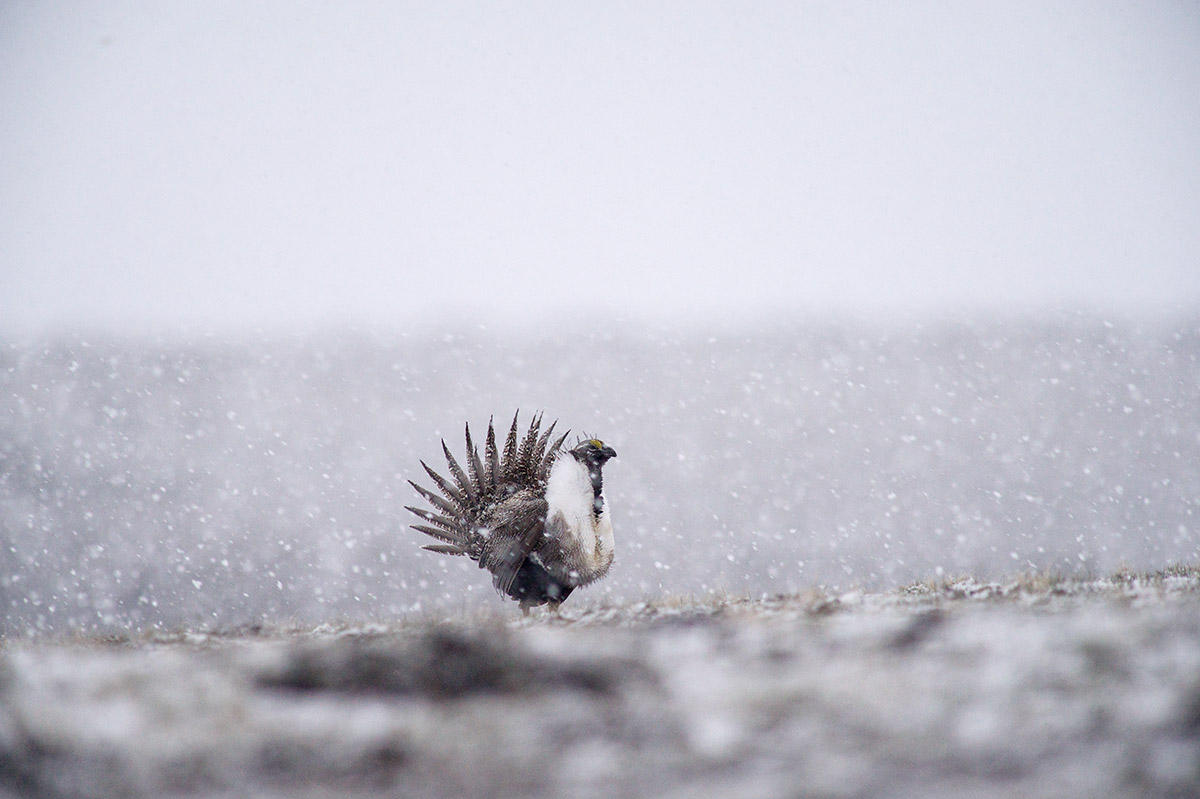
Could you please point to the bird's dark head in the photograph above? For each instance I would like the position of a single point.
(593, 453)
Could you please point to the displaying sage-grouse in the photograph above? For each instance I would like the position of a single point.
(533, 514)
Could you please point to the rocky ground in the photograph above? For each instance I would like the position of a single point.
(1036, 687)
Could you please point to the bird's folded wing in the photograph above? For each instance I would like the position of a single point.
(516, 532)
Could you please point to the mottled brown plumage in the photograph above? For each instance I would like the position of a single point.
(495, 511)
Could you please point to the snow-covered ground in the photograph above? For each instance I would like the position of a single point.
(154, 483)
(1035, 688)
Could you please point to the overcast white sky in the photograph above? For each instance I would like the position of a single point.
(271, 163)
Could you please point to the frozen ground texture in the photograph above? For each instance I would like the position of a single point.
(152, 484)
(1035, 688)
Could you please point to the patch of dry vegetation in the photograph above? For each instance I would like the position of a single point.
(931, 593)
(1028, 587)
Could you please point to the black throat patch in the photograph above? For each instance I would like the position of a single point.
(597, 486)
(597, 479)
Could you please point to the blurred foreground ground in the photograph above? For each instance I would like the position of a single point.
(1036, 687)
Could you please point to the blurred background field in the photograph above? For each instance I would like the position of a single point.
(157, 482)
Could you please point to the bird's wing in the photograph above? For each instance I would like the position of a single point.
(515, 531)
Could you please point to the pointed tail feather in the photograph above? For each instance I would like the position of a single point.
(460, 508)
(525, 453)
(448, 527)
(460, 477)
(543, 472)
(509, 458)
(539, 450)
(474, 465)
(451, 493)
(445, 549)
(446, 506)
(492, 457)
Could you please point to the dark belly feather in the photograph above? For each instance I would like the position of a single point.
(533, 585)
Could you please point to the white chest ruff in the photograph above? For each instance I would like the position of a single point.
(585, 537)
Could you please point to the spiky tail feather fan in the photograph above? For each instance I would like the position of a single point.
(463, 503)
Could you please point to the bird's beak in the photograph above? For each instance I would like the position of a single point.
(608, 452)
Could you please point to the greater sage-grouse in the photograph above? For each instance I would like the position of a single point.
(533, 514)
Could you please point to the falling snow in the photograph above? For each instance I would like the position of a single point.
(151, 484)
